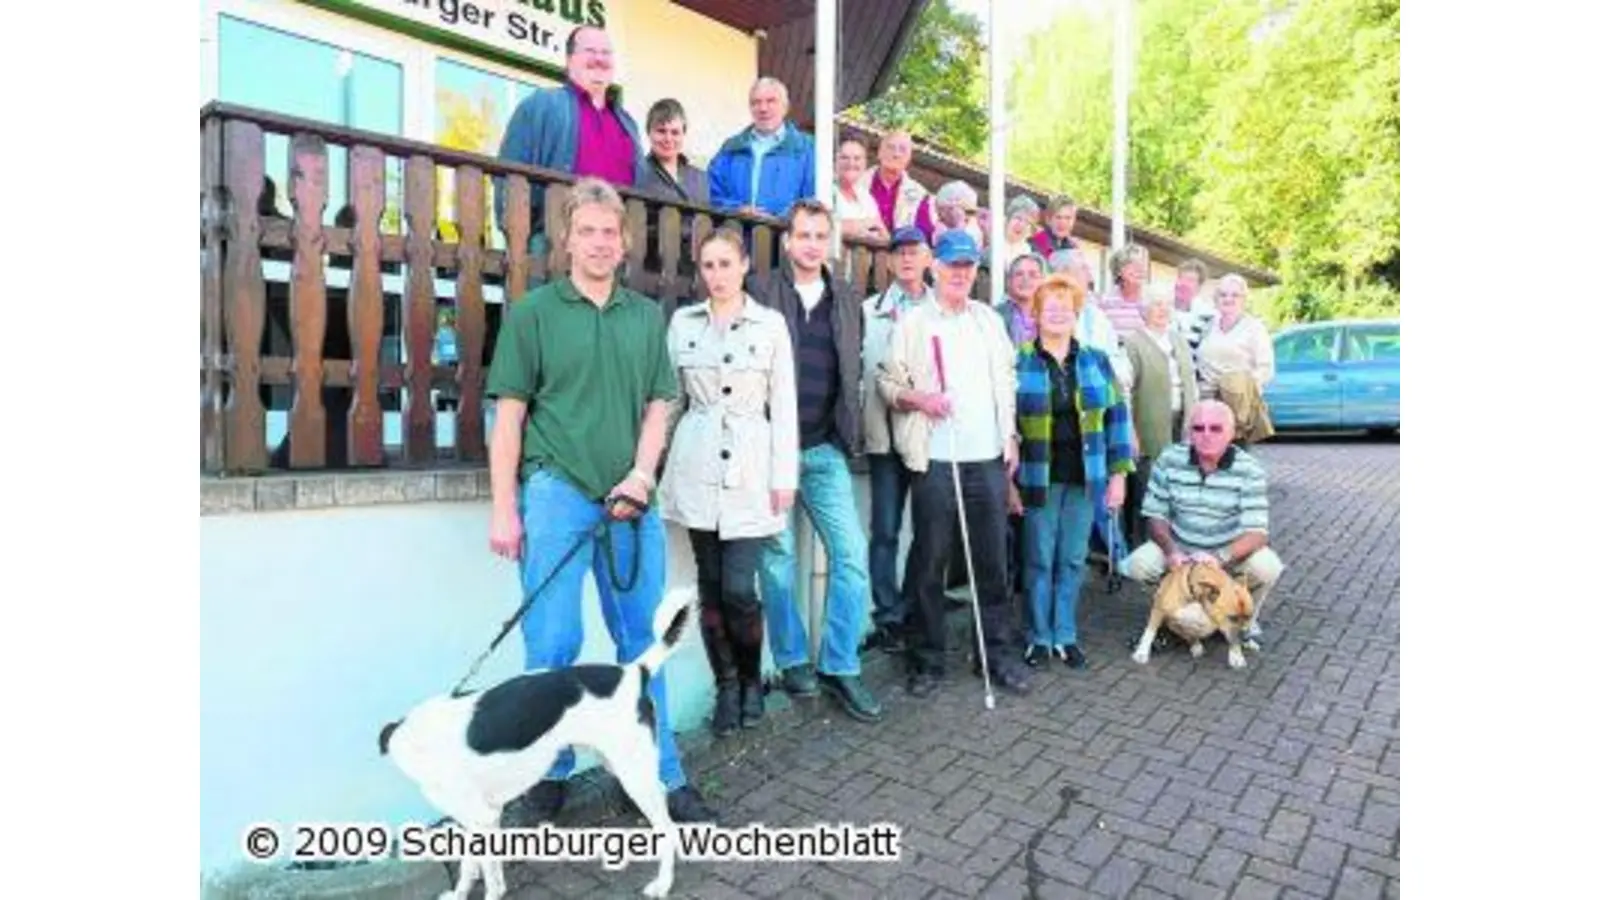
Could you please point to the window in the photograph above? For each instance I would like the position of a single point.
(471, 110)
(1368, 343)
(1310, 346)
(297, 76)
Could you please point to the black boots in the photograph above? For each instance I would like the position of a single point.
(738, 705)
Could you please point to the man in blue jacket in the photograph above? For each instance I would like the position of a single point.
(579, 128)
(768, 166)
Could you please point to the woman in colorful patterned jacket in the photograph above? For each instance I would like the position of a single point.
(1077, 449)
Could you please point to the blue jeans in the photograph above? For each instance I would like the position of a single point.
(554, 517)
(1055, 545)
(891, 484)
(828, 498)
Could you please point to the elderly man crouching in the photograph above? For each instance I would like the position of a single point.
(1207, 502)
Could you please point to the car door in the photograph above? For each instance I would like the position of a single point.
(1369, 362)
(1305, 391)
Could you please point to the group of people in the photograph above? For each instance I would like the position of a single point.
(1013, 430)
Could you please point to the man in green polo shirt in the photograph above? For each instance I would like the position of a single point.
(582, 384)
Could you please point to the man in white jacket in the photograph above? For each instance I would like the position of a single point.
(950, 377)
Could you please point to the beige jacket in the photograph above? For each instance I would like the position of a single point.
(909, 366)
(879, 315)
(1246, 348)
(734, 434)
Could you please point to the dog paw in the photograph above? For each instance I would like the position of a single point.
(1141, 656)
(1197, 649)
(658, 888)
(1236, 658)
(1252, 645)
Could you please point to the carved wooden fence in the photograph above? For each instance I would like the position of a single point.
(252, 351)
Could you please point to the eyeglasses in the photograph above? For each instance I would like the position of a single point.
(1214, 428)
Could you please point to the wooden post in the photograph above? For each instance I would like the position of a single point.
(244, 308)
(308, 301)
(470, 316)
(419, 444)
(365, 308)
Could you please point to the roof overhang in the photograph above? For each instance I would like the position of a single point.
(874, 35)
(933, 168)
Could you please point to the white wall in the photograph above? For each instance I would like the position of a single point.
(319, 626)
(668, 51)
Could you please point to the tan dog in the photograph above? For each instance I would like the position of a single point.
(1195, 601)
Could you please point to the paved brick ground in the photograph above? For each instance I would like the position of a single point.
(1182, 778)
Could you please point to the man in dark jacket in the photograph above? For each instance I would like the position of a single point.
(824, 316)
(579, 127)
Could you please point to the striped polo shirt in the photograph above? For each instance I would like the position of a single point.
(1207, 512)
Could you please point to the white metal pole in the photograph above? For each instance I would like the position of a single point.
(824, 102)
(998, 122)
(1119, 158)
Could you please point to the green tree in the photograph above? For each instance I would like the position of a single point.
(1269, 131)
(938, 88)
(1304, 175)
(1062, 84)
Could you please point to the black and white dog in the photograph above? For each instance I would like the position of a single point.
(472, 754)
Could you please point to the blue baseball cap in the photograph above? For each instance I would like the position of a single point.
(956, 246)
(907, 234)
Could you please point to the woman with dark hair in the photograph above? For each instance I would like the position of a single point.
(667, 171)
(733, 463)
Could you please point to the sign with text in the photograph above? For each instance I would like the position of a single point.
(533, 30)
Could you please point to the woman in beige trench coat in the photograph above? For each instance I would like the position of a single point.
(733, 463)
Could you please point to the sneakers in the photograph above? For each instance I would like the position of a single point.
(852, 694)
(685, 805)
(1252, 637)
(1035, 655)
(1072, 656)
(541, 803)
(800, 681)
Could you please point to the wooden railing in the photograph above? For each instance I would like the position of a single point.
(266, 343)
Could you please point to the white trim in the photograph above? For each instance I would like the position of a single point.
(418, 59)
(340, 31)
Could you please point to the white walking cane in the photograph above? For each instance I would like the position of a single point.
(966, 540)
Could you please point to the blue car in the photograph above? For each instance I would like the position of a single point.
(1337, 375)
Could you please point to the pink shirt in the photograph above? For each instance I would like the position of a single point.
(1124, 314)
(885, 194)
(605, 150)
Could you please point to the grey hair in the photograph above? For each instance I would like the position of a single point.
(1129, 253)
(1022, 204)
(1156, 295)
(1237, 281)
(1063, 260)
(957, 192)
(1011, 269)
(1226, 410)
(769, 81)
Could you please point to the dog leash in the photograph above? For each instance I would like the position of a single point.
(601, 532)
